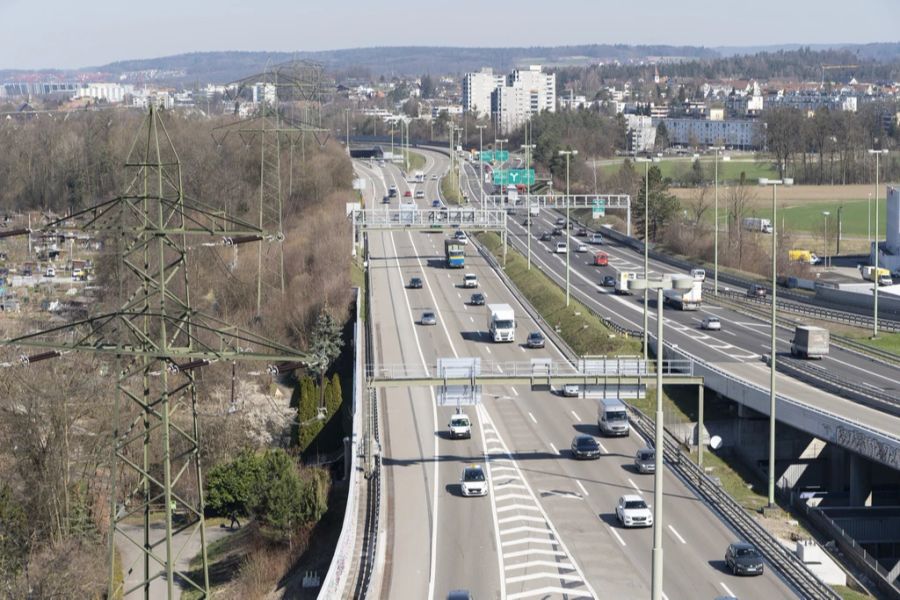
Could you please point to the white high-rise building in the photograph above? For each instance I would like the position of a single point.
(540, 86)
(477, 89)
(527, 92)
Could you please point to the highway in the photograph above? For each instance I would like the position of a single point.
(547, 528)
(737, 349)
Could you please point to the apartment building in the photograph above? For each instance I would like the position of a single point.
(477, 89)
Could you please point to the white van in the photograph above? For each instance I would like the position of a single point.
(460, 426)
(596, 238)
(698, 274)
(612, 417)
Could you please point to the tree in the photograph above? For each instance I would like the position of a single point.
(325, 347)
(232, 489)
(739, 198)
(280, 505)
(14, 542)
(662, 136)
(427, 86)
(783, 135)
(663, 205)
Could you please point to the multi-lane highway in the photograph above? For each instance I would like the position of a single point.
(547, 527)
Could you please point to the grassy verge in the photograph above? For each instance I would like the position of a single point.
(581, 329)
(358, 278)
(729, 171)
(416, 161)
(450, 189)
(889, 342)
(849, 594)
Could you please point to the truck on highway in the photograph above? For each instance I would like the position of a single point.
(803, 256)
(810, 342)
(622, 279)
(612, 417)
(685, 300)
(869, 273)
(756, 224)
(501, 323)
(455, 251)
(601, 259)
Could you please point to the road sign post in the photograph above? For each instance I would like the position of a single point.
(598, 208)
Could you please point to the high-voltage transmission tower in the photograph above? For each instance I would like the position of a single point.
(277, 93)
(158, 342)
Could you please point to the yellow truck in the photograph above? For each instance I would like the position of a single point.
(870, 273)
(804, 256)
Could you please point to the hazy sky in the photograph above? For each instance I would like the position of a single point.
(57, 33)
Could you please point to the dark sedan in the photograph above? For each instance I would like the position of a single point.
(546, 236)
(535, 340)
(585, 446)
(744, 559)
(556, 231)
(609, 281)
(415, 283)
(477, 300)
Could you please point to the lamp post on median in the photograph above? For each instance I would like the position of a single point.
(683, 284)
(481, 161)
(825, 214)
(500, 142)
(774, 185)
(528, 148)
(567, 154)
(877, 154)
(646, 162)
(716, 227)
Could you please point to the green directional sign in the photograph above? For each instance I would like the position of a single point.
(598, 208)
(492, 155)
(514, 177)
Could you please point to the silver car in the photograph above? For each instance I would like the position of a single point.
(645, 460)
(428, 318)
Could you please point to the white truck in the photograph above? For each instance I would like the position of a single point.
(810, 342)
(868, 273)
(622, 279)
(501, 323)
(756, 224)
(685, 300)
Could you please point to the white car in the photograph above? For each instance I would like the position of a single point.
(632, 511)
(711, 323)
(461, 237)
(470, 280)
(434, 177)
(50, 272)
(473, 482)
(460, 426)
(420, 194)
(581, 248)
(561, 248)
(570, 390)
(596, 238)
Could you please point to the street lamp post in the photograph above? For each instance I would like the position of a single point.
(877, 154)
(659, 285)
(528, 148)
(481, 161)
(825, 214)
(567, 154)
(500, 142)
(716, 226)
(646, 162)
(774, 185)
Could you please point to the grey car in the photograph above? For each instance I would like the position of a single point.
(744, 559)
(428, 318)
(535, 340)
(645, 460)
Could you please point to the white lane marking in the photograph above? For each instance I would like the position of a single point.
(532, 418)
(494, 515)
(514, 391)
(727, 591)
(677, 535)
(499, 368)
(521, 348)
(605, 451)
(555, 451)
(519, 518)
(574, 414)
(532, 576)
(616, 533)
(521, 541)
(634, 485)
(548, 591)
(525, 529)
(583, 490)
(506, 497)
(518, 507)
(488, 350)
(472, 319)
(519, 553)
(539, 563)
(459, 295)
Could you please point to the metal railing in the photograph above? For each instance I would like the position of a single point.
(413, 217)
(824, 380)
(791, 567)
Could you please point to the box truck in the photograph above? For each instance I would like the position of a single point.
(501, 323)
(689, 299)
(810, 342)
(755, 224)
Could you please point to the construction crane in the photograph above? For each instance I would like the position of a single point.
(833, 67)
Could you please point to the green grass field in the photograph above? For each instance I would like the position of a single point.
(677, 168)
(808, 217)
(450, 190)
(416, 161)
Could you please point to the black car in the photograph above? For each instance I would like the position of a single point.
(585, 446)
(556, 231)
(477, 300)
(744, 559)
(609, 281)
(535, 340)
(560, 221)
(546, 236)
(386, 200)
(415, 283)
(581, 232)
(459, 595)
(756, 291)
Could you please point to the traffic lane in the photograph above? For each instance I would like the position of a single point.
(408, 417)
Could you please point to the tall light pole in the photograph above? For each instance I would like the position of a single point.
(825, 214)
(646, 162)
(774, 185)
(877, 154)
(567, 154)
(869, 221)
(528, 148)
(716, 226)
(481, 161)
(500, 142)
(659, 285)
(347, 113)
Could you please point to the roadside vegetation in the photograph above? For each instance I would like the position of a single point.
(450, 189)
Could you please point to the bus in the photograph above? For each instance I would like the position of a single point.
(455, 251)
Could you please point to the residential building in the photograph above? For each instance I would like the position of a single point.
(114, 93)
(572, 102)
(739, 134)
(477, 88)
(527, 92)
(641, 133)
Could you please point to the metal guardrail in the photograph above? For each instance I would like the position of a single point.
(822, 379)
(791, 567)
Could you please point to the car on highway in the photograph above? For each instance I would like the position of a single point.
(560, 221)
(535, 340)
(645, 460)
(459, 595)
(435, 204)
(392, 191)
(477, 299)
(632, 511)
(470, 280)
(570, 390)
(526, 221)
(434, 177)
(556, 231)
(561, 248)
(460, 426)
(756, 291)
(596, 238)
(581, 232)
(407, 194)
(420, 194)
(50, 272)
(711, 323)
(546, 236)
(608, 281)
(415, 283)
(743, 559)
(386, 200)
(585, 446)
(581, 248)
(460, 236)
(428, 318)
(473, 481)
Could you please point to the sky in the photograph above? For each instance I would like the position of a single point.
(71, 34)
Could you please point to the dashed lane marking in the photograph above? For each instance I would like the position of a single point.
(677, 535)
(583, 490)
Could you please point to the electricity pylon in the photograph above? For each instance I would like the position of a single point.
(296, 81)
(158, 341)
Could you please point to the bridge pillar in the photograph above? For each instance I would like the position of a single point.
(860, 481)
(837, 461)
